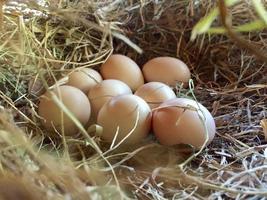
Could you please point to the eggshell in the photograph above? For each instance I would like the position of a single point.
(76, 102)
(173, 123)
(155, 93)
(104, 91)
(122, 112)
(167, 70)
(84, 79)
(122, 68)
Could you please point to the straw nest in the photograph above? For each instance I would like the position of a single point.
(43, 42)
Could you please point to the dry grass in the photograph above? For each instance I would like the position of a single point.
(38, 49)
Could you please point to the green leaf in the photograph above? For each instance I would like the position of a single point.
(205, 23)
(256, 25)
(259, 8)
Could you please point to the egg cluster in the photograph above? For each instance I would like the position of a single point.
(118, 99)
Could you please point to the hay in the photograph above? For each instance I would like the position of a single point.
(42, 43)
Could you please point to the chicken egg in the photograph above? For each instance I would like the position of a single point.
(74, 100)
(122, 68)
(155, 93)
(84, 79)
(167, 70)
(183, 121)
(104, 91)
(123, 115)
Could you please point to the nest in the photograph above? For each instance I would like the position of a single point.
(42, 42)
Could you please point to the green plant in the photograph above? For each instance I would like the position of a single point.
(205, 24)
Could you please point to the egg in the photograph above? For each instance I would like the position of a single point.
(104, 91)
(155, 93)
(174, 123)
(125, 114)
(84, 79)
(14, 187)
(167, 70)
(74, 100)
(122, 68)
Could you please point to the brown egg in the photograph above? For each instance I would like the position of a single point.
(104, 91)
(155, 93)
(167, 70)
(121, 113)
(18, 188)
(84, 79)
(74, 99)
(173, 123)
(122, 68)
